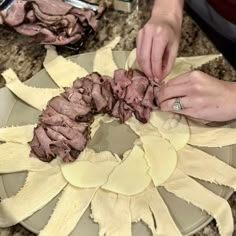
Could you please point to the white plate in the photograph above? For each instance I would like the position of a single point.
(13, 111)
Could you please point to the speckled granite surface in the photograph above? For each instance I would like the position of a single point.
(26, 59)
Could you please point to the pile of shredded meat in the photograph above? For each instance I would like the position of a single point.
(50, 21)
(64, 125)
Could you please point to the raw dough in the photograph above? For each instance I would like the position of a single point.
(104, 63)
(193, 162)
(181, 66)
(63, 71)
(39, 188)
(50, 55)
(111, 211)
(69, 209)
(18, 134)
(152, 210)
(14, 157)
(132, 62)
(191, 191)
(185, 64)
(206, 136)
(36, 97)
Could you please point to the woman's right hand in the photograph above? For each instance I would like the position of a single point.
(157, 44)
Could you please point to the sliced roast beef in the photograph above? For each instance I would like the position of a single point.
(96, 78)
(50, 22)
(125, 112)
(116, 109)
(16, 14)
(29, 29)
(45, 142)
(67, 132)
(78, 83)
(107, 94)
(136, 90)
(54, 135)
(53, 8)
(149, 99)
(36, 148)
(65, 123)
(63, 106)
(30, 16)
(99, 100)
(62, 120)
(45, 18)
(78, 142)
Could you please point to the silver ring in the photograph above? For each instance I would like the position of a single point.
(177, 106)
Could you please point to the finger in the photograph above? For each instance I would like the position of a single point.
(157, 53)
(178, 90)
(143, 58)
(181, 79)
(169, 59)
(139, 42)
(168, 105)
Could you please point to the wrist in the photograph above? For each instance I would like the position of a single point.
(233, 95)
(174, 13)
(228, 100)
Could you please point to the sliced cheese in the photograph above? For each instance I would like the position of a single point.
(172, 127)
(131, 176)
(86, 174)
(90, 155)
(98, 121)
(161, 157)
(142, 129)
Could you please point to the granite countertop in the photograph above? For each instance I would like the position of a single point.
(26, 59)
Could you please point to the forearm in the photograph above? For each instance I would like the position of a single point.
(171, 8)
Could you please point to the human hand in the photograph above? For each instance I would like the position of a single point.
(202, 96)
(157, 45)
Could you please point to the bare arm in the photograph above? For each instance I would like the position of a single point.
(172, 9)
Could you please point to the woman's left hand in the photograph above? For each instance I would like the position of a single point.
(202, 96)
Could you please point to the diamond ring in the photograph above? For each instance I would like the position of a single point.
(177, 106)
